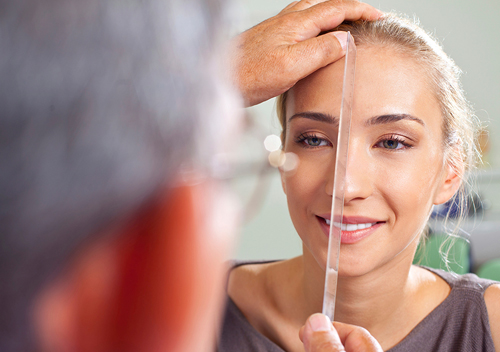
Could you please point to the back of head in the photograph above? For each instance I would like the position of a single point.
(101, 101)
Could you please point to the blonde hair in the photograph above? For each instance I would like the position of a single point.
(460, 126)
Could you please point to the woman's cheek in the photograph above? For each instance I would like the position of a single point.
(411, 184)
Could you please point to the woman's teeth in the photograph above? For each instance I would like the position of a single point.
(351, 227)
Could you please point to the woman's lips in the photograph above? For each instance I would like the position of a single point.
(353, 229)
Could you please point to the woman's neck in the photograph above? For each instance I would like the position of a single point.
(375, 298)
(377, 301)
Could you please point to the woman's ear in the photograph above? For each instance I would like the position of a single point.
(450, 182)
(283, 182)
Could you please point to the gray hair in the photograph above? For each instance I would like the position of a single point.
(100, 103)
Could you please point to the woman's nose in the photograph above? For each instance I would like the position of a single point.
(358, 174)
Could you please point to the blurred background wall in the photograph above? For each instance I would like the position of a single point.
(469, 32)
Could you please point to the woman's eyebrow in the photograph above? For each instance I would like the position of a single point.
(316, 116)
(383, 119)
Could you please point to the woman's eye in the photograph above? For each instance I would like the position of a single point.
(390, 144)
(393, 144)
(315, 142)
(312, 141)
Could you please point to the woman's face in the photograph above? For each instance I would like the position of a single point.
(395, 168)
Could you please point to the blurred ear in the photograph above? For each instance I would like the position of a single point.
(73, 312)
(154, 284)
(450, 181)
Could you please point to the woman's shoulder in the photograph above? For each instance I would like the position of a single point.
(466, 282)
(250, 266)
(250, 287)
(255, 275)
(492, 300)
(465, 309)
(248, 278)
(250, 306)
(470, 290)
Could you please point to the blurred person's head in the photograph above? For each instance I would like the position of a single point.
(105, 244)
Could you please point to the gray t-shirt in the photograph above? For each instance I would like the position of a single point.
(459, 324)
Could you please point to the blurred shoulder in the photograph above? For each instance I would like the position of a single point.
(247, 284)
(492, 300)
(256, 286)
(492, 295)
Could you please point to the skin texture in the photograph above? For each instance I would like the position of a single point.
(379, 289)
(270, 58)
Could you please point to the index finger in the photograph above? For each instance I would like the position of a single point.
(330, 14)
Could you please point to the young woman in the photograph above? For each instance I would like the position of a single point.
(411, 145)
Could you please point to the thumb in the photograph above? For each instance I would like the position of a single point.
(315, 53)
(318, 335)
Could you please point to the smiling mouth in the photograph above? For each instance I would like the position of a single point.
(351, 233)
(350, 227)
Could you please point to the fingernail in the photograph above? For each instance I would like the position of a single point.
(320, 322)
(342, 38)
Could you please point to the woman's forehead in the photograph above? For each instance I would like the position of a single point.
(386, 82)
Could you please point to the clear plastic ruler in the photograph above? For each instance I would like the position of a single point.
(336, 218)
